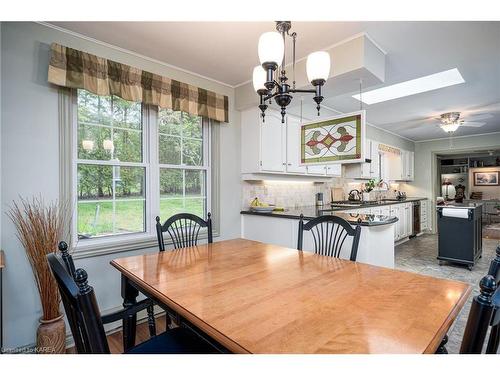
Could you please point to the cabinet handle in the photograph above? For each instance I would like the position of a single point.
(289, 164)
(284, 163)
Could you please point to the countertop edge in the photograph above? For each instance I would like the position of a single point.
(285, 215)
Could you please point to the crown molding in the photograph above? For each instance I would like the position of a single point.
(457, 137)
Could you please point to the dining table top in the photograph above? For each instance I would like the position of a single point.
(254, 297)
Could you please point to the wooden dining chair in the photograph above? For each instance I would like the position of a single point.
(484, 313)
(329, 234)
(122, 314)
(87, 327)
(183, 229)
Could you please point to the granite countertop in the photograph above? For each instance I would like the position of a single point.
(311, 212)
(385, 202)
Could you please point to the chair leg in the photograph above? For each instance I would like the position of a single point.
(168, 321)
(151, 320)
(442, 348)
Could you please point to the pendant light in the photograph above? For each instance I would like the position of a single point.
(268, 84)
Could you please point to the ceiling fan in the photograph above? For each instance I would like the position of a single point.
(451, 121)
(470, 117)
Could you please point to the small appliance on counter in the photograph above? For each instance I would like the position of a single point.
(319, 199)
(354, 195)
(460, 234)
(401, 195)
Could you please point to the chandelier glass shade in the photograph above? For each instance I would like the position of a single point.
(271, 48)
(270, 80)
(259, 78)
(318, 66)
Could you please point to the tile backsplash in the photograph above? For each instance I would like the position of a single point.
(287, 194)
(297, 193)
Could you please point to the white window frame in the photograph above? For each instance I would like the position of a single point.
(68, 129)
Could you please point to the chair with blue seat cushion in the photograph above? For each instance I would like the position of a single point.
(86, 324)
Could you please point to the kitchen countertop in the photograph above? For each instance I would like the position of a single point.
(378, 203)
(312, 212)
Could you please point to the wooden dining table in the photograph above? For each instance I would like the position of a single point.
(252, 297)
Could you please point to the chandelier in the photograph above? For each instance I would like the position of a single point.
(449, 121)
(269, 78)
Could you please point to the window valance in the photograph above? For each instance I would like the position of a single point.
(69, 67)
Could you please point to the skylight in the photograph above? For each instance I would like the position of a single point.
(415, 86)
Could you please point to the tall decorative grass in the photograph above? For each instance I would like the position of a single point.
(40, 227)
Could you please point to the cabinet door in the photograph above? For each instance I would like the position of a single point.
(318, 170)
(408, 219)
(403, 164)
(334, 170)
(293, 146)
(375, 157)
(402, 218)
(411, 166)
(395, 212)
(272, 144)
(366, 168)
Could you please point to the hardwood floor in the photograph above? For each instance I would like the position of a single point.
(115, 339)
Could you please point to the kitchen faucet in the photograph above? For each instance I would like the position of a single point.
(380, 185)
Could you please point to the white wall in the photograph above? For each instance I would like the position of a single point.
(30, 162)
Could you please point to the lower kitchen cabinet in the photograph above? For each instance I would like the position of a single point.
(403, 211)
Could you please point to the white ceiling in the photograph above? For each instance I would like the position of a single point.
(227, 52)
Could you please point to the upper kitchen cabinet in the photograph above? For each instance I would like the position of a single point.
(293, 146)
(407, 165)
(369, 169)
(273, 147)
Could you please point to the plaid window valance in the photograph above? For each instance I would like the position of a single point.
(69, 67)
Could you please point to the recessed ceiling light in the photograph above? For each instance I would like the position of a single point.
(415, 86)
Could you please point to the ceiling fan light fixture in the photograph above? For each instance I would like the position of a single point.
(449, 128)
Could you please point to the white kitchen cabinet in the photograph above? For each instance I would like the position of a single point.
(390, 166)
(408, 213)
(334, 170)
(424, 215)
(318, 170)
(407, 165)
(367, 170)
(273, 147)
(272, 144)
(293, 146)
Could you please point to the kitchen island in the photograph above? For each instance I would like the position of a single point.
(376, 245)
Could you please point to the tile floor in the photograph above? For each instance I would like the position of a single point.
(419, 255)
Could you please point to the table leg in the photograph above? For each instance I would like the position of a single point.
(129, 295)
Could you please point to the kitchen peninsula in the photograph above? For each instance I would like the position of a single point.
(379, 221)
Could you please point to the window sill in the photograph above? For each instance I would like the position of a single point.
(108, 246)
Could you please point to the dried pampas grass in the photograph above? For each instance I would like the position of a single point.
(40, 227)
